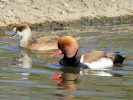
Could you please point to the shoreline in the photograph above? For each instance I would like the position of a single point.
(62, 13)
(83, 21)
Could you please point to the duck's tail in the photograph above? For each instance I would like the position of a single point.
(119, 59)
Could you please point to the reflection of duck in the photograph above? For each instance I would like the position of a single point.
(42, 43)
(95, 73)
(25, 61)
(26, 58)
(91, 59)
(98, 73)
(68, 78)
(67, 81)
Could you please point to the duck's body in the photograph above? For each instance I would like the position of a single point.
(89, 59)
(42, 43)
(93, 60)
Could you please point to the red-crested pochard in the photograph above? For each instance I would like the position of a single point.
(42, 43)
(90, 59)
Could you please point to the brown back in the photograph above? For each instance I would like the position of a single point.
(90, 56)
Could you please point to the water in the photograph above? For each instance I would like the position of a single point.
(26, 75)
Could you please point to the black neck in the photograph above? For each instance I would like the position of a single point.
(69, 61)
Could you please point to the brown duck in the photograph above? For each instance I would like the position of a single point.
(42, 43)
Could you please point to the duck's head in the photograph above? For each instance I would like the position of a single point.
(21, 30)
(67, 45)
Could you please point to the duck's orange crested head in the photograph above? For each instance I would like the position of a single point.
(66, 41)
(68, 45)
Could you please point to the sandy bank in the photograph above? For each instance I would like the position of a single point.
(40, 11)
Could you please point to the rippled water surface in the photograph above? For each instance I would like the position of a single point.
(26, 75)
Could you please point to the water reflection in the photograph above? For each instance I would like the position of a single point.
(95, 72)
(25, 61)
(66, 80)
(98, 73)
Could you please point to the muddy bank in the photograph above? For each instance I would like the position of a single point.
(14, 12)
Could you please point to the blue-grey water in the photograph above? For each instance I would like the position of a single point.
(33, 75)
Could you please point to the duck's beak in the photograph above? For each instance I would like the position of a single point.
(14, 35)
(58, 52)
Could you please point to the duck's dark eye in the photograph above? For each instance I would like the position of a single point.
(20, 30)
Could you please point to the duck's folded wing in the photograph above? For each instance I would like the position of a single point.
(47, 39)
(90, 56)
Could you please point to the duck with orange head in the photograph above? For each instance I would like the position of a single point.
(92, 59)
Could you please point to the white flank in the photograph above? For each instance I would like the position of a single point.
(100, 64)
(82, 59)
